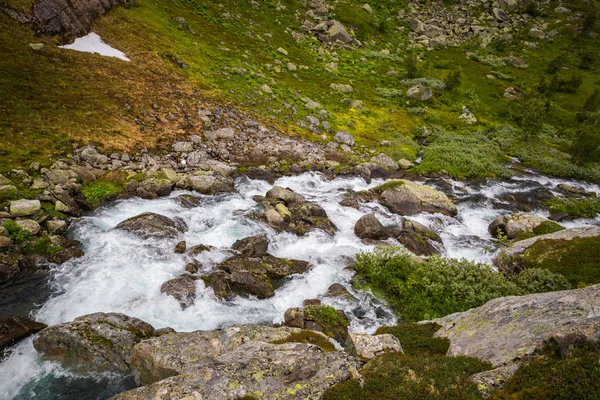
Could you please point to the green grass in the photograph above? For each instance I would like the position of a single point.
(96, 192)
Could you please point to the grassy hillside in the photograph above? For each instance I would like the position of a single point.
(52, 97)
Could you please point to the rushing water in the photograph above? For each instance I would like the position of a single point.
(124, 273)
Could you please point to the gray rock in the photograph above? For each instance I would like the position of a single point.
(340, 87)
(152, 225)
(371, 346)
(95, 342)
(404, 197)
(386, 161)
(28, 225)
(369, 227)
(91, 155)
(56, 226)
(513, 225)
(344, 137)
(183, 147)
(24, 208)
(182, 288)
(420, 92)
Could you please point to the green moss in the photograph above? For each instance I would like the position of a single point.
(308, 337)
(556, 375)
(544, 228)
(576, 208)
(50, 210)
(395, 376)
(417, 339)
(15, 232)
(327, 316)
(391, 184)
(44, 246)
(96, 192)
(577, 259)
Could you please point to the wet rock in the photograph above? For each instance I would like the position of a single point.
(513, 225)
(531, 251)
(235, 362)
(197, 249)
(369, 227)
(95, 342)
(254, 246)
(161, 187)
(288, 211)
(180, 247)
(573, 191)
(337, 290)
(152, 225)
(256, 276)
(9, 266)
(193, 267)
(509, 329)
(24, 208)
(407, 198)
(333, 323)
(370, 346)
(418, 239)
(64, 255)
(189, 201)
(13, 329)
(183, 288)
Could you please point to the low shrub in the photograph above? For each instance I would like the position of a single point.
(537, 280)
(15, 232)
(417, 339)
(575, 208)
(96, 192)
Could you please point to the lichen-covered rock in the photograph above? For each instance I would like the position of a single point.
(152, 225)
(333, 323)
(404, 197)
(96, 342)
(255, 276)
(513, 225)
(370, 346)
(253, 246)
(418, 239)
(288, 211)
(510, 328)
(24, 208)
(13, 329)
(182, 288)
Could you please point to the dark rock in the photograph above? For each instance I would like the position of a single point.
(193, 267)
(189, 201)
(197, 249)
(183, 288)
(261, 174)
(369, 227)
(254, 246)
(419, 239)
(180, 247)
(64, 255)
(152, 225)
(13, 329)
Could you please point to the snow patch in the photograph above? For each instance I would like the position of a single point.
(92, 43)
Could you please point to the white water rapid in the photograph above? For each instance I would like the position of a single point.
(123, 273)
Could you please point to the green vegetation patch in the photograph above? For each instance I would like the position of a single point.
(308, 337)
(44, 246)
(576, 208)
(398, 376)
(577, 259)
(96, 192)
(544, 228)
(417, 339)
(552, 375)
(391, 184)
(15, 232)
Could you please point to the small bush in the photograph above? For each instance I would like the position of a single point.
(585, 147)
(529, 114)
(411, 65)
(537, 280)
(432, 288)
(96, 192)
(453, 80)
(569, 85)
(15, 232)
(556, 64)
(588, 59)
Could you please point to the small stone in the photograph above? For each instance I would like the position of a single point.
(30, 226)
(344, 137)
(339, 87)
(5, 242)
(403, 163)
(59, 206)
(56, 226)
(36, 46)
(180, 247)
(283, 51)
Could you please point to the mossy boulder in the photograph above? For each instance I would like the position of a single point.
(404, 197)
(517, 225)
(94, 342)
(255, 276)
(574, 253)
(333, 323)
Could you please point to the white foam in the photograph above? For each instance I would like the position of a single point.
(92, 43)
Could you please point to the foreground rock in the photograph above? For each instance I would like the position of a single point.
(255, 276)
(236, 362)
(513, 225)
(13, 329)
(153, 225)
(416, 237)
(404, 197)
(561, 245)
(509, 330)
(288, 211)
(95, 342)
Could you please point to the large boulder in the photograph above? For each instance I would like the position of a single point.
(369, 227)
(288, 211)
(236, 362)
(574, 253)
(514, 225)
(13, 329)
(255, 276)
(153, 225)
(24, 208)
(508, 330)
(182, 288)
(404, 197)
(95, 342)
(253, 246)
(418, 238)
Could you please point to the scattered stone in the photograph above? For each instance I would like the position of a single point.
(403, 163)
(339, 87)
(180, 247)
(24, 208)
(420, 92)
(344, 137)
(30, 226)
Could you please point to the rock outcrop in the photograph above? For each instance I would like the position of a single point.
(236, 362)
(285, 210)
(153, 225)
(94, 342)
(513, 225)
